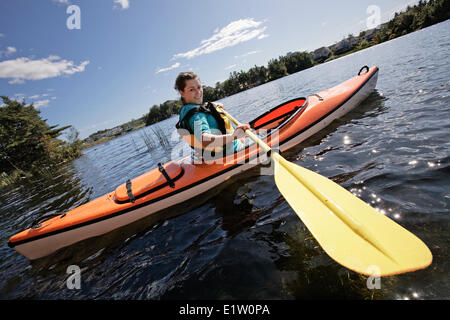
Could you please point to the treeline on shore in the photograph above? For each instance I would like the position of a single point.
(28, 145)
(157, 113)
(163, 111)
(421, 15)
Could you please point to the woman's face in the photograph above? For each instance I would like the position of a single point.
(193, 92)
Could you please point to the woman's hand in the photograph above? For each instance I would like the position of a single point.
(239, 132)
(212, 140)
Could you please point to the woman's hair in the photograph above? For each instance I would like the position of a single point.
(180, 82)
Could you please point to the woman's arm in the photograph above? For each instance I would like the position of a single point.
(212, 140)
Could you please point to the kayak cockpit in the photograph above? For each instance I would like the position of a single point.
(279, 116)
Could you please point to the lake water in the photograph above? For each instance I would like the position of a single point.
(247, 243)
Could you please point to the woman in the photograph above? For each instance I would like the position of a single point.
(204, 121)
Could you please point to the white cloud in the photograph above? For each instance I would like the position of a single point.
(234, 33)
(41, 103)
(263, 36)
(37, 96)
(230, 67)
(18, 97)
(174, 66)
(16, 81)
(22, 69)
(37, 100)
(248, 54)
(124, 3)
(9, 51)
(62, 1)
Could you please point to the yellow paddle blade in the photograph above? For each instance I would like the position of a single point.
(349, 230)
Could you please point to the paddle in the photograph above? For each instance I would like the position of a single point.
(349, 230)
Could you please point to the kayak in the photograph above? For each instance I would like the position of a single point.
(175, 182)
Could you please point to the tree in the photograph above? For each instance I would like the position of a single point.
(277, 69)
(27, 141)
(153, 116)
(244, 80)
(257, 75)
(209, 94)
(231, 85)
(165, 110)
(177, 105)
(296, 62)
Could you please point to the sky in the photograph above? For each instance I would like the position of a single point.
(98, 64)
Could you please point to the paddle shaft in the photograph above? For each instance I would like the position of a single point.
(350, 221)
(334, 207)
(261, 143)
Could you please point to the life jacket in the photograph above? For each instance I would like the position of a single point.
(187, 134)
